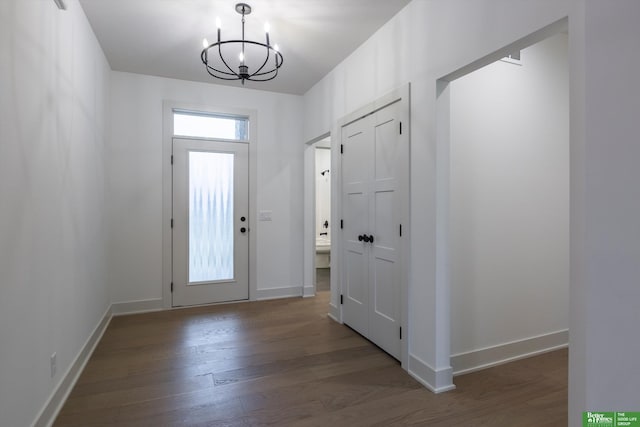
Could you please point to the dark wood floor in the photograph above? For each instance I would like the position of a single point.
(323, 279)
(285, 363)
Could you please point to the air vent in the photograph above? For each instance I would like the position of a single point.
(513, 58)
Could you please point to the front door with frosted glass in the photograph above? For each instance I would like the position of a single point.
(210, 222)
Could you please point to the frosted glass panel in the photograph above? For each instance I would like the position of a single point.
(210, 216)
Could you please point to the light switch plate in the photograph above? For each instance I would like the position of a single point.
(264, 215)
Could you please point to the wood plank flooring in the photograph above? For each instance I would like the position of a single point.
(323, 279)
(283, 363)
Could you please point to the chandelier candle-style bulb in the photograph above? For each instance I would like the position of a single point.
(266, 30)
(205, 45)
(254, 61)
(277, 50)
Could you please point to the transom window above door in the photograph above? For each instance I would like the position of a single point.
(194, 124)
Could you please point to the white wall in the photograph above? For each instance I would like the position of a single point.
(135, 181)
(509, 189)
(605, 251)
(54, 84)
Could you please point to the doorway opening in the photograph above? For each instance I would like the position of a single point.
(503, 141)
(323, 220)
(317, 214)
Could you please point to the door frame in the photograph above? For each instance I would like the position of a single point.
(400, 95)
(168, 107)
(309, 234)
(442, 187)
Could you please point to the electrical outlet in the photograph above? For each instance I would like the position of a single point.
(53, 364)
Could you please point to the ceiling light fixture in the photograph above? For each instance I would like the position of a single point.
(255, 61)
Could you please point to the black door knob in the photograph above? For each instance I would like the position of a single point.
(360, 238)
(371, 238)
(243, 219)
(243, 230)
(365, 238)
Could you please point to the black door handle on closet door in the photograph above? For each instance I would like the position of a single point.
(371, 238)
(361, 237)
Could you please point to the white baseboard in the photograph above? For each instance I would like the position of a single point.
(464, 363)
(334, 312)
(309, 291)
(436, 380)
(273, 293)
(50, 411)
(134, 307)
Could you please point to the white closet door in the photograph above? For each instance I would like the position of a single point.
(356, 178)
(390, 161)
(374, 184)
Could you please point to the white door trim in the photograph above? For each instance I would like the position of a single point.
(401, 95)
(309, 234)
(167, 139)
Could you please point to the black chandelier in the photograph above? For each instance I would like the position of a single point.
(263, 69)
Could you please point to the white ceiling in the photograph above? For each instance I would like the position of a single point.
(164, 37)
